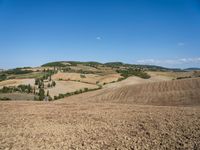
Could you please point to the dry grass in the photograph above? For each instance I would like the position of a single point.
(16, 82)
(17, 96)
(63, 87)
(89, 78)
(172, 75)
(84, 68)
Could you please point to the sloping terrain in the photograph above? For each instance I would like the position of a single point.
(133, 80)
(17, 96)
(88, 78)
(63, 87)
(16, 82)
(132, 114)
(176, 92)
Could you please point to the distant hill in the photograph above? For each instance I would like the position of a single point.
(69, 63)
(108, 64)
(191, 69)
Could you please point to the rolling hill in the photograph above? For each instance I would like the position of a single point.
(164, 93)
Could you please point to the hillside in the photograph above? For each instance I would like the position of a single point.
(159, 112)
(165, 93)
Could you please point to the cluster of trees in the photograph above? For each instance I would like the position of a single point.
(18, 71)
(79, 71)
(4, 99)
(27, 89)
(42, 96)
(3, 77)
(20, 88)
(54, 64)
(179, 78)
(40, 83)
(136, 72)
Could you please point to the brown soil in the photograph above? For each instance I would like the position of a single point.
(176, 92)
(82, 122)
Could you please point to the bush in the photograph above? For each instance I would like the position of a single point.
(36, 98)
(53, 83)
(179, 78)
(41, 94)
(6, 89)
(37, 81)
(82, 76)
(85, 89)
(4, 99)
(136, 72)
(3, 77)
(55, 97)
(18, 71)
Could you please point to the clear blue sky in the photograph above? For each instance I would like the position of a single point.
(162, 32)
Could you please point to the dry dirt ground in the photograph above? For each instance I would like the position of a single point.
(175, 92)
(79, 125)
(82, 122)
(174, 75)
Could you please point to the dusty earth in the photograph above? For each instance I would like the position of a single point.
(82, 125)
(84, 122)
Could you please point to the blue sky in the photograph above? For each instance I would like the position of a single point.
(160, 32)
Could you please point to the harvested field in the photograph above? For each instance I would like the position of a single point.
(172, 75)
(83, 67)
(89, 78)
(83, 125)
(63, 87)
(176, 92)
(16, 82)
(17, 96)
(137, 80)
(94, 120)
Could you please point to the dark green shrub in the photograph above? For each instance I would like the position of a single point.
(53, 83)
(4, 99)
(82, 76)
(85, 89)
(3, 77)
(136, 72)
(41, 94)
